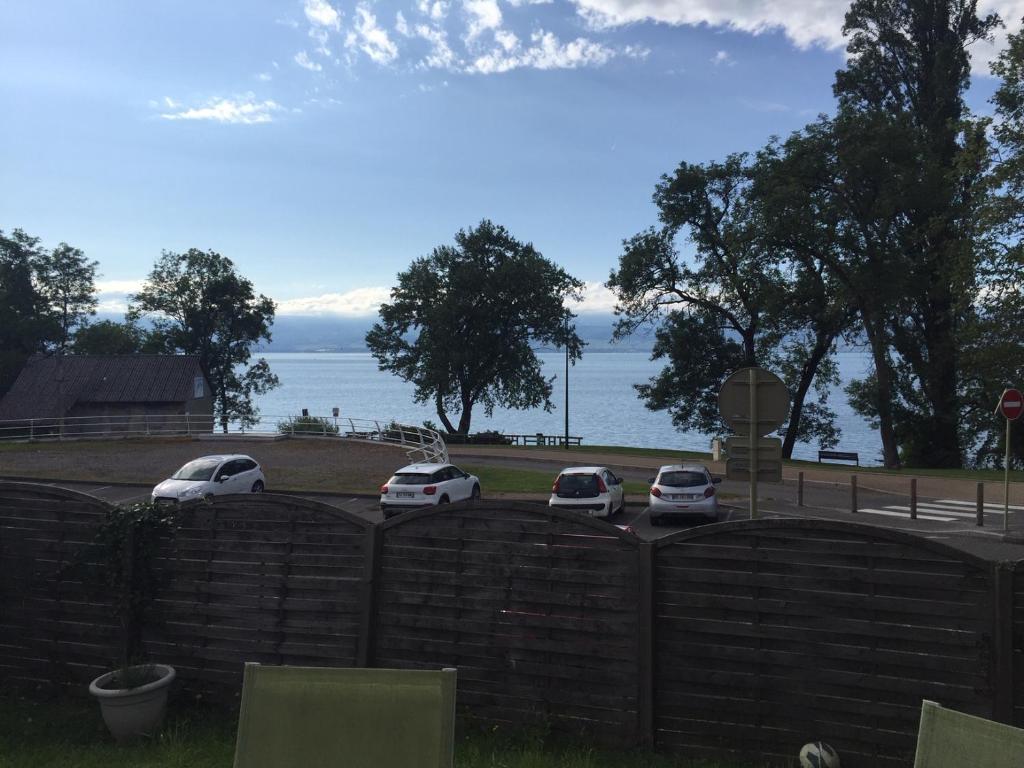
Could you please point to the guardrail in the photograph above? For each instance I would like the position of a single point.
(420, 443)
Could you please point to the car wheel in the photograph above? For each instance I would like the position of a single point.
(611, 509)
(475, 494)
(257, 487)
(384, 511)
(655, 521)
(443, 500)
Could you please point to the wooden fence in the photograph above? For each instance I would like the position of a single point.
(748, 638)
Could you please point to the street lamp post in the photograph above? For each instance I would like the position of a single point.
(567, 382)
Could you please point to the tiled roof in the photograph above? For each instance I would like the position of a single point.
(98, 379)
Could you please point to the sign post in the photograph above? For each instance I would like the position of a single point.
(754, 402)
(1011, 405)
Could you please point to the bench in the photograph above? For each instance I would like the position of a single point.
(838, 456)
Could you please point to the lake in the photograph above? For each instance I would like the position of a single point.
(603, 406)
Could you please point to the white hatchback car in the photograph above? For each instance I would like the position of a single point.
(595, 491)
(424, 485)
(212, 476)
(683, 491)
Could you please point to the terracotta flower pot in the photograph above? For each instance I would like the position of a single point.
(132, 712)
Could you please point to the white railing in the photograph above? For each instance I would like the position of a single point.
(420, 443)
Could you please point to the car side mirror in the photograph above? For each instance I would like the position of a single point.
(222, 478)
(716, 480)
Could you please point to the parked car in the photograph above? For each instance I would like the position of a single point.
(595, 491)
(212, 476)
(683, 492)
(424, 485)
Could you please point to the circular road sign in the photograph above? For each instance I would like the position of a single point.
(1011, 404)
(772, 401)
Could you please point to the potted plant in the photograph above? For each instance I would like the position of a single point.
(132, 697)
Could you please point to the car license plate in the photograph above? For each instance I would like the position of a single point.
(405, 494)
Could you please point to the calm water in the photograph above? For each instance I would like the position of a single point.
(603, 406)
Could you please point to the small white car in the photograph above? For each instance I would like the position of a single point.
(212, 476)
(595, 491)
(424, 485)
(683, 492)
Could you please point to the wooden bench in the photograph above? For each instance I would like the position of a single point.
(838, 456)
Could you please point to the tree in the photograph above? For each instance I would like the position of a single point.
(200, 305)
(26, 325)
(735, 303)
(67, 280)
(108, 337)
(461, 322)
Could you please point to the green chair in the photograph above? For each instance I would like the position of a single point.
(324, 717)
(950, 739)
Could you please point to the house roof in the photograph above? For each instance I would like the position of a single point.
(98, 379)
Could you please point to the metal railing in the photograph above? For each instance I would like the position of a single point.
(420, 443)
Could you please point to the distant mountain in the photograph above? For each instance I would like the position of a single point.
(296, 333)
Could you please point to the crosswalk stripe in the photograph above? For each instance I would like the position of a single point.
(999, 507)
(937, 508)
(890, 513)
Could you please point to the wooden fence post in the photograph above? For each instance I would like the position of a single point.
(645, 653)
(913, 498)
(981, 504)
(853, 494)
(1002, 642)
(800, 489)
(366, 650)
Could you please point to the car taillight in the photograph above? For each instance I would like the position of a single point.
(601, 487)
(383, 490)
(709, 492)
(430, 490)
(554, 488)
(656, 492)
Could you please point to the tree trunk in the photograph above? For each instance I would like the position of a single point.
(883, 394)
(442, 415)
(822, 344)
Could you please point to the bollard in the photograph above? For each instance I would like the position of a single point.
(800, 489)
(981, 504)
(913, 498)
(853, 494)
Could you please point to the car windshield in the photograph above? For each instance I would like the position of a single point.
(682, 479)
(574, 483)
(409, 478)
(200, 469)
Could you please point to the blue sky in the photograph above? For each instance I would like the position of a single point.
(322, 145)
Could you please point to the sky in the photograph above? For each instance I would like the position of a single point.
(323, 145)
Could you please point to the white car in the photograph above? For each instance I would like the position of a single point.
(685, 492)
(424, 485)
(212, 476)
(595, 491)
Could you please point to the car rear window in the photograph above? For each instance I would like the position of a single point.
(571, 484)
(409, 478)
(682, 479)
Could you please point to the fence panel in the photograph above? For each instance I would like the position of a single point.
(773, 633)
(265, 577)
(537, 608)
(55, 627)
(1018, 645)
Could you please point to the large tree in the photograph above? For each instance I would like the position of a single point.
(200, 305)
(67, 280)
(462, 324)
(26, 324)
(734, 302)
(109, 337)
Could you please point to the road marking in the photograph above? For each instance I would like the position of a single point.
(998, 507)
(889, 513)
(936, 508)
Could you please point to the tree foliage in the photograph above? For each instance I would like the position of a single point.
(200, 305)
(67, 281)
(108, 337)
(462, 322)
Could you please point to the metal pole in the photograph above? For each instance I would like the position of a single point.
(1006, 483)
(981, 504)
(853, 494)
(800, 489)
(913, 498)
(753, 443)
(567, 383)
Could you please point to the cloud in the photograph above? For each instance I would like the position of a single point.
(358, 302)
(482, 15)
(370, 38)
(322, 14)
(264, 77)
(118, 287)
(244, 110)
(596, 298)
(546, 51)
(437, 11)
(722, 57)
(303, 60)
(441, 55)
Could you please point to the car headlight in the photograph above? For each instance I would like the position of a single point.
(192, 491)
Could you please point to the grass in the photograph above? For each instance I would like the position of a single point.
(71, 734)
(495, 479)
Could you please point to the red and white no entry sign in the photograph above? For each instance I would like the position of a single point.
(1011, 404)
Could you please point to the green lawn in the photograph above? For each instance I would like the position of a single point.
(503, 480)
(70, 734)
